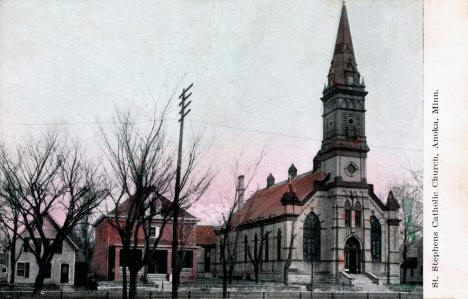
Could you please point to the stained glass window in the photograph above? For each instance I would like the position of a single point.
(376, 239)
(311, 238)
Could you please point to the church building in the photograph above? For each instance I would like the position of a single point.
(340, 228)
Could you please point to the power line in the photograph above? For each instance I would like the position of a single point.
(226, 126)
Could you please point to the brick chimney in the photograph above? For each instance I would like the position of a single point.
(240, 190)
(270, 180)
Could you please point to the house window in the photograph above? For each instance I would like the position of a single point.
(357, 214)
(207, 259)
(267, 248)
(26, 247)
(278, 246)
(376, 239)
(255, 247)
(311, 238)
(412, 272)
(154, 231)
(48, 270)
(22, 269)
(347, 214)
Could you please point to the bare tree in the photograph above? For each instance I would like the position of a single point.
(44, 178)
(9, 227)
(143, 172)
(410, 194)
(229, 232)
(85, 239)
(257, 257)
(290, 248)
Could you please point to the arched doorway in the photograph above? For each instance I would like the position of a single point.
(352, 253)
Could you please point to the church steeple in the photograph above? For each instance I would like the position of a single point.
(343, 69)
(344, 147)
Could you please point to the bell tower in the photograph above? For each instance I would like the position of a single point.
(344, 148)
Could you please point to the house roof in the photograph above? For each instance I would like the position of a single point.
(124, 207)
(71, 238)
(205, 235)
(270, 202)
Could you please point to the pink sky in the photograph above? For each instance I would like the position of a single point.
(258, 70)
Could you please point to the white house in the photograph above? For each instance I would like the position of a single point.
(63, 269)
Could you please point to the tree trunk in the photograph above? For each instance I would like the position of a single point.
(12, 264)
(231, 272)
(133, 281)
(286, 276)
(225, 277)
(39, 282)
(404, 266)
(144, 278)
(225, 281)
(405, 254)
(287, 264)
(13, 258)
(124, 282)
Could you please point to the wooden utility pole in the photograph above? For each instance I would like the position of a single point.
(175, 221)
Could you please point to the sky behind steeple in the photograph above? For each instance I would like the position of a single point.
(258, 69)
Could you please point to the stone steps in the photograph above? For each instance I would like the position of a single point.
(363, 283)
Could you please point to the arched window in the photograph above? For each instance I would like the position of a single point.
(357, 214)
(376, 239)
(246, 248)
(311, 238)
(278, 245)
(255, 255)
(347, 220)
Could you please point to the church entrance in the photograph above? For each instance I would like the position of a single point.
(352, 254)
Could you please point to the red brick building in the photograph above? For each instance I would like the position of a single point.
(206, 240)
(108, 256)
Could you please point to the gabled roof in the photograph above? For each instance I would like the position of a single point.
(267, 202)
(71, 238)
(205, 235)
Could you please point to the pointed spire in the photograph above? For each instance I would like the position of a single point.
(343, 69)
(292, 172)
(392, 202)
